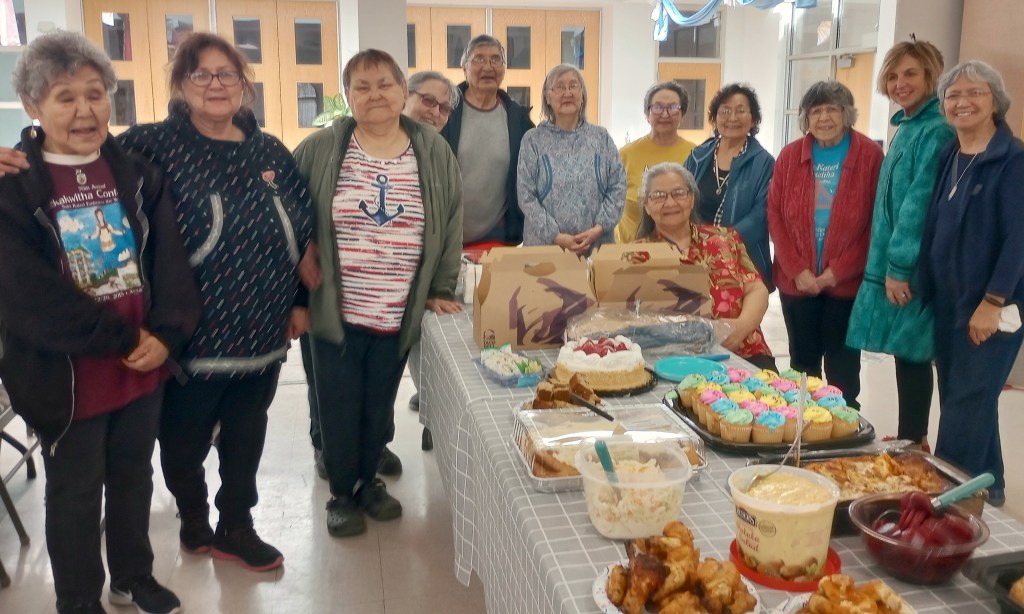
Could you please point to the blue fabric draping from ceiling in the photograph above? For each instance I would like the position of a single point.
(665, 10)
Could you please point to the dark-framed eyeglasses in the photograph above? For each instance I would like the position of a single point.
(227, 78)
(430, 102)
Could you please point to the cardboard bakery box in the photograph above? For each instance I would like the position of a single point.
(526, 295)
(653, 274)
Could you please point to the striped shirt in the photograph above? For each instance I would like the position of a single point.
(378, 221)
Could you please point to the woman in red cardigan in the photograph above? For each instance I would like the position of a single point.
(819, 217)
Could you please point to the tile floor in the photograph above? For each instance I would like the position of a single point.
(399, 567)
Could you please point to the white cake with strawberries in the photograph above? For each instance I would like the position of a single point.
(610, 364)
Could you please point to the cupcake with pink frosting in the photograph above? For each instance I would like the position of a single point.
(737, 375)
(704, 401)
(789, 413)
(826, 391)
(754, 407)
(782, 385)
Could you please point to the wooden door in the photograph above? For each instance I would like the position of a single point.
(252, 26)
(308, 35)
(574, 37)
(120, 27)
(860, 79)
(523, 34)
(701, 80)
(451, 30)
(170, 22)
(420, 43)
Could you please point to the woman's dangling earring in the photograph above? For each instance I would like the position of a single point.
(34, 133)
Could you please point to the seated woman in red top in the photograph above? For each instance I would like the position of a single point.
(819, 217)
(666, 196)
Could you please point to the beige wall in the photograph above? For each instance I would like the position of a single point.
(992, 31)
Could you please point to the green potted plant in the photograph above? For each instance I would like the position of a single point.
(334, 107)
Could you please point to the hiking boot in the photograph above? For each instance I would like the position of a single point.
(344, 518)
(246, 547)
(414, 402)
(318, 460)
(389, 465)
(195, 534)
(374, 499)
(94, 607)
(145, 593)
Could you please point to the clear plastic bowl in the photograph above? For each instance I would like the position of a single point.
(652, 478)
(918, 564)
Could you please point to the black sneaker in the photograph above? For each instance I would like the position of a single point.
(94, 607)
(244, 546)
(426, 440)
(997, 497)
(389, 465)
(344, 518)
(195, 534)
(145, 593)
(414, 402)
(318, 460)
(374, 499)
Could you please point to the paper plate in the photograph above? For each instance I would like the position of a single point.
(607, 607)
(675, 368)
(795, 604)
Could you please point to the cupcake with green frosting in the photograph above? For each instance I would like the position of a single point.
(687, 387)
(845, 421)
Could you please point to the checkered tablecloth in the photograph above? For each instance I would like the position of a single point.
(536, 552)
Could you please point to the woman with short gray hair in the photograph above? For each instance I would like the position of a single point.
(665, 105)
(572, 185)
(819, 218)
(99, 298)
(431, 98)
(971, 255)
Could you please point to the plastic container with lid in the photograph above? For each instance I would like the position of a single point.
(648, 494)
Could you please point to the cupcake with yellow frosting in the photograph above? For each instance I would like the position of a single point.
(741, 395)
(772, 400)
(813, 383)
(845, 421)
(766, 375)
(736, 425)
(818, 424)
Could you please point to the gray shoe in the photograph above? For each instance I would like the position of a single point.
(344, 518)
(318, 460)
(414, 402)
(373, 498)
(389, 465)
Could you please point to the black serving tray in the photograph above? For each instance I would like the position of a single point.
(996, 574)
(865, 433)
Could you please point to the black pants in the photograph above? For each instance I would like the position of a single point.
(914, 383)
(112, 452)
(356, 386)
(817, 334)
(186, 428)
(314, 412)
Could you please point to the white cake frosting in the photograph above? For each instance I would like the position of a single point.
(578, 361)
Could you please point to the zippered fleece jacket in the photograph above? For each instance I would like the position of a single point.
(45, 319)
(320, 157)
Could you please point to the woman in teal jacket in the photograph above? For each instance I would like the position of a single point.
(888, 315)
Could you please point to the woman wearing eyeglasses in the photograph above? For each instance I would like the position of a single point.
(572, 186)
(972, 268)
(665, 105)
(733, 172)
(431, 98)
(668, 194)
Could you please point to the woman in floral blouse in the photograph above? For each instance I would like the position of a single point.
(667, 195)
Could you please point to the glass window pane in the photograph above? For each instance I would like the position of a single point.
(572, 46)
(458, 40)
(858, 23)
(15, 37)
(309, 45)
(117, 36)
(520, 95)
(311, 103)
(258, 106)
(691, 42)
(518, 46)
(697, 108)
(812, 29)
(11, 123)
(410, 33)
(248, 39)
(123, 104)
(7, 62)
(179, 27)
(806, 73)
(793, 127)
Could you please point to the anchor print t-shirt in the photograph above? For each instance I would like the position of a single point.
(378, 222)
(100, 258)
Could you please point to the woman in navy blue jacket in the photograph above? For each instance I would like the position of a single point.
(974, 267)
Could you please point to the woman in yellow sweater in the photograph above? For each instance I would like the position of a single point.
(665, 105)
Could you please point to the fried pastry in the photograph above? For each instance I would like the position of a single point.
(646, 575)
(1017, 591)
(682, 603)
(617, 584)
(837, 594)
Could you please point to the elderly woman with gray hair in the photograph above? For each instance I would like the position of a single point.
(572, 185)
(972, 267)
(667, 196)
(97, 301)
(819, 218)
(432, 96)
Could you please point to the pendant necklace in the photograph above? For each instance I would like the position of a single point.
(956, 163)
(719, 180)
(80, 177)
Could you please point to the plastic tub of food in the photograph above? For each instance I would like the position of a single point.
(648, 493)
(784, 523)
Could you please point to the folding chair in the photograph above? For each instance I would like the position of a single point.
(6, 415)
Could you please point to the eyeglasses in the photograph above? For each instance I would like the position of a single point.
(678, 195)
(825, 109)
(658, 108)
(737, 112)
(562, 88)
(494, 60)
(430, 102)
(971, 94)
(227, 78)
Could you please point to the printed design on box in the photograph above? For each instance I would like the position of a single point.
(551, 324)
